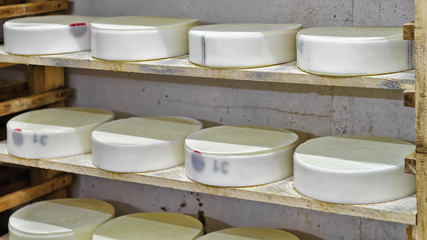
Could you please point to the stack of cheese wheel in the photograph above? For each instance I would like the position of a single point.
(250, 233)
(242, 155)
(54, 132)
(349, 51)
(141, 144)
(243, 45)
(353, 169)
(134, 38)
(154, 225)
(47, 34)
(60, 219)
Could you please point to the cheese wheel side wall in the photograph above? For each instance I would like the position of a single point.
(238, 171)
(137, 158)
(340, 187)
(348, 57)
(134, 45)
(24, 41)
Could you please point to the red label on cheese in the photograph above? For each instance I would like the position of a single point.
(77, 24)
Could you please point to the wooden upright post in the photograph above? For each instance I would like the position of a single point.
(421, 114)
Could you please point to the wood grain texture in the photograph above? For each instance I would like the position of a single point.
(281, 192)
(33, 101)
(410, 164)
(25, 9)
(27, 194)
(408, 31)
(411, 232)
(180, 66)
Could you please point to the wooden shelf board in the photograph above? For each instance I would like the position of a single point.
(281, 192)
(24, 9)
(180, 66)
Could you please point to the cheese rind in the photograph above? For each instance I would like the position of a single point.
(47, 34)
(353, 169)
(54, 132)
(242, 45)
(141, 144)
(350, 51)
(242, 155)
(250, 233)
(154, 225)
(136, 38)
(59, 219)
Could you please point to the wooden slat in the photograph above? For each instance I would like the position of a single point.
(408, 31)
(2, 65)
(29, 102)
(180, 66)
(27, 194)
(409, 98)
(24, 9)
(410, 164)
(14, 186)
(411, 232)
(281, 192)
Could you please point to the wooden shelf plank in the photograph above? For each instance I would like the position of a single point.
(281, 192)
(408, 31)
(409, 98)
(25, 9)
(410, 163)
(180, 66)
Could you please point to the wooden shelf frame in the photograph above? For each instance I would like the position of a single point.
(181, 66)
(281, 192)
(25, 9)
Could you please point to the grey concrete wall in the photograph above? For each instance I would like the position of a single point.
(319, 111)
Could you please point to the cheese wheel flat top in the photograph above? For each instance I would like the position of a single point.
(353, 153)
(147, 130)
(249, 233)
(56, 21)
(59, 118)
(244, 28)
(154, 225)
(353, 33)
(60, 216)
(141, 23)
(241, 140)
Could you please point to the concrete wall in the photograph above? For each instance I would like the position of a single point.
(319, 111)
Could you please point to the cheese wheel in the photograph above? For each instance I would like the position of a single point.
(242, 155)
(59, 219)
(47, 34)
(154, 225)
(250, 233)
(242, 45)
(53, 132)
(353, 169)
(141, 144)
(350, 51)
(135, 38)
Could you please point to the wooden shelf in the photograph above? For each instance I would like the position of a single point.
(24, 9)
(180, 66)
(282, 192)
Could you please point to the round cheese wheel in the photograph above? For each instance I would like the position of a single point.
(243, 155)
(353, 169)
(141, 144)
(250, 233)
(349, 51)
(154, 225)
(53, 132)
(134, 38)
(59, 219)
(242, 45)
(47, 34)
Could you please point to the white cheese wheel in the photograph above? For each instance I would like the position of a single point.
(53, 132)
(250, 233)
(350, 51)
(135, 38)
(47, 34)
(141, 144)
(154, 225)
(243, 45)
(353, 169)
(242, 155)
(59, 219)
